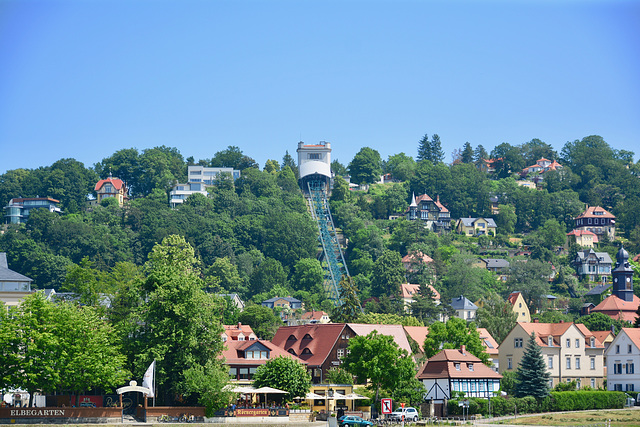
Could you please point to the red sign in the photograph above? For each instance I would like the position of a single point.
(402, 404)
(387, 406)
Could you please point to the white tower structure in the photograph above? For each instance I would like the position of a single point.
(314, 163)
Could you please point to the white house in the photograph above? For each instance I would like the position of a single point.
(623, 355)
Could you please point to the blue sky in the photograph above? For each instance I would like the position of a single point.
(83, 79)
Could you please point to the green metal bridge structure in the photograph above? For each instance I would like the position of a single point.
(331, 258)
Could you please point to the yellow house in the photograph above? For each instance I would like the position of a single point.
(570, 351)
(520, 307)
(476, 226)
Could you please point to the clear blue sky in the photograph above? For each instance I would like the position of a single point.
(83, 79)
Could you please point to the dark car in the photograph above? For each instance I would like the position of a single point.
(351, 420)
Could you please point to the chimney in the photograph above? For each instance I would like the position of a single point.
(613, 329)
(239, 325)
(463, 349)
(562, 321)
(536, 320)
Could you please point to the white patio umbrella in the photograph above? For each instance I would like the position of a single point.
(268, 390)
(314, 396)
(354, 396)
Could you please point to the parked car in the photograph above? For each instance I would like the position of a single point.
(351, 420)
(410, 414)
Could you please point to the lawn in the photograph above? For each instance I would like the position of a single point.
(619, 418)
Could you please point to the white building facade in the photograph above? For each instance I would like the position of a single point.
(623, 361)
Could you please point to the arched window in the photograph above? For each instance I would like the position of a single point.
(306, 351)
(292, 351)
(307, 337)
(292, 338)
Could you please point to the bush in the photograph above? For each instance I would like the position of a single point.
(556, 401)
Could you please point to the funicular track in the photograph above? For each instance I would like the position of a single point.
(331, 259)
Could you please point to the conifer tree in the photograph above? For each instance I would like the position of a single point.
(467, 153)
(532, 377)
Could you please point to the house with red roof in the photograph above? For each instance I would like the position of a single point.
(583, 238)
(520, 306)
(321, 346)
(238, 332)
(597, 220)
(244, 357)
(541, 167)
(623, 361)
(413, 260)
(570, 351)
(457, 370)
(112, 187)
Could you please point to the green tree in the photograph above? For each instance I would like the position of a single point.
(530, 277)
(401, 166)
(480, 154)
(308, 275)
(388, 319)
(271, 166)
(366, 166)
(340, 191)
(232, 157)
(430, 151)
(602, 322)
(532, 377)
(284, 373)
(453, 334)
(176, 323)
(261, 319)
(496, 316)
(506, 219)
(388, 274)
(338, 168)
(338, 375)
(287, 160)
(376, 360)
(208, 383)
(467, 153)
(350, 308)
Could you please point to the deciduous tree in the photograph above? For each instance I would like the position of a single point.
(284, 373)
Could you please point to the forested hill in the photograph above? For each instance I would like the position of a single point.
(254, 236)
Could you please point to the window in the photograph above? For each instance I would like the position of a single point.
(577, 362)
(550, 362)
(314, 156)
(568, 363)
(340, 353)
(617, 349)
(550, 341)
(593, 342)
(233, 372)
(593, 383)
(592, 363)
(520, 305)
(629, 387)
(617, 368)
(551, 383)
(457, 366)
(577, 342)
(470, 366)
(629, 349)
(568, 342)
(517, 342)
(617, 387)
(630, 368)
(509, 363)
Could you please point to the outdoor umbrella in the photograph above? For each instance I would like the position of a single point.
(268, 390)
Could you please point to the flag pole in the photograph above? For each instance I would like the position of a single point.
(154, 383)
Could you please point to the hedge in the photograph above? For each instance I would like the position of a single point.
(556, 401)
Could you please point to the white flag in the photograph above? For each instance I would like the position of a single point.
(148, 380)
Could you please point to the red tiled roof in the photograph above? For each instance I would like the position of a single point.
(513, 296)
(443, 365)
(233, 352)
(418, 334)
(543, 330)
(590, 213)
(602, 335)
(617, 308)
(233, 331)
(486, 338)
(408, 290)
(416, 256)
(116, 182)
(588, 334)
(423, 197)
(314, 315)
(395, 331)
(324, 337)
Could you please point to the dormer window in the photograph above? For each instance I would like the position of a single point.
(470, 366)
(292, 338)
(457, 365)
(306, 351)
(292, 351)
(307, 337)
(550, 341)
(593, 342)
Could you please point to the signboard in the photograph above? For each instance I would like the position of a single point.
(387, 406)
